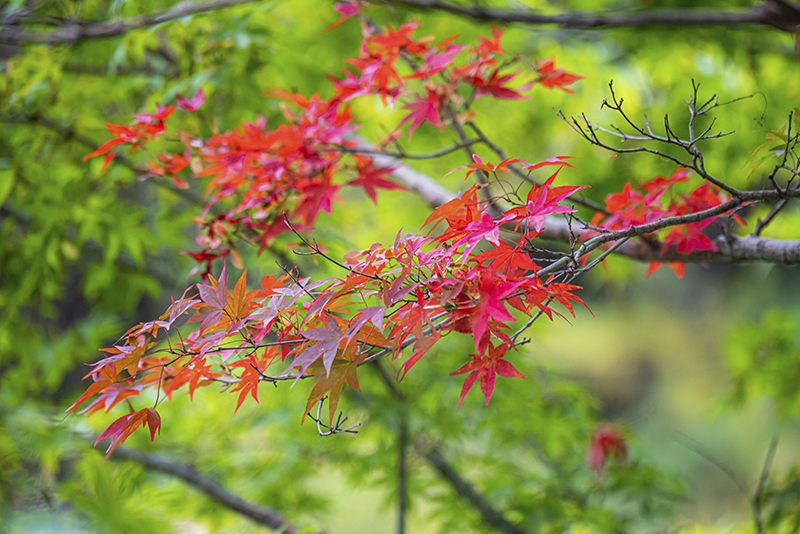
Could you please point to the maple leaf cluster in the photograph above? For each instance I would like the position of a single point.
(397, 300)
(255, 174)
(634, 206)
(470, 273)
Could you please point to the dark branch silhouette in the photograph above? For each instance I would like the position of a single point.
(467, 491)
(92, 30)
(775, 13)
(490, 515)
(262, 515)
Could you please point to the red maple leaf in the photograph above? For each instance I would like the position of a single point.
(248, 382)
(491, 46)
(493, 289)
(369, 178)
(494, 86)
(542, 201)
(507, 259)
(550, 76)
(123, 427)
(486, 368)
(486, 167)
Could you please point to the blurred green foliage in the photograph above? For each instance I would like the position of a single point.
(84, 255)
(764, 358)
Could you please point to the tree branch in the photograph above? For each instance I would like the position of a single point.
(762, 481)
(466, 490)
(775, 13)
(263, 515)
(731, 249)
(491, 516)
(402, 471)
(91, 30)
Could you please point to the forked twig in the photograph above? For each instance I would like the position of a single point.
(316, 251)
(332, 429)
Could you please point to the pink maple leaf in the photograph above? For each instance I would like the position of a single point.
(191, 104)
(423, 109)
(542, 201)
(328, 340)
(486, 228)
(214, 299)
(493, 289)
(434, 63)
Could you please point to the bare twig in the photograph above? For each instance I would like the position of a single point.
(776, 209)
(315, 250)
(697, 448)
(587, 129)
(333, 428)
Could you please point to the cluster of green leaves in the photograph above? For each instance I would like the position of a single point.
(764, 359)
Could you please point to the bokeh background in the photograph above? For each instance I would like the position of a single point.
(700, 373)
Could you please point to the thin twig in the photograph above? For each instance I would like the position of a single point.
(697, 448)
(316, 251)
(404, 155)
(776, 209)
(762, 481)
(333, 429)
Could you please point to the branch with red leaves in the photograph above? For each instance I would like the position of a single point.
(729, 248)
(256, 173)
(467, 273)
